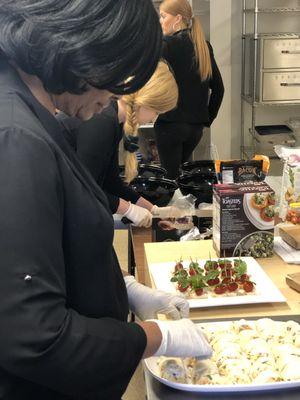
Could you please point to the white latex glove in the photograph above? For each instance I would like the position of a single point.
(169, 212)
(139, 216)
(146, 303)
(182, 339)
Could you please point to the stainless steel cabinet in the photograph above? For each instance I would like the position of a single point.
(278, 52)
(277, 73)
(270, 67)
(280, 86)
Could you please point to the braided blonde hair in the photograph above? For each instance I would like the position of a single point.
(160, 94)
(202, 55)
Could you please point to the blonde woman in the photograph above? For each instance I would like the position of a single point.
(97, 142)
(199, 81)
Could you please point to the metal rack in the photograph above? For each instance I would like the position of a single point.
(253, 98)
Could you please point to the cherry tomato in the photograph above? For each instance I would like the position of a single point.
(243, 278)
(294, 220)
(227, 280)
(199, 291)
(211, 282)
(248, 286)
(226, 273)
(182, 289)
(220, 289)
(232, 286)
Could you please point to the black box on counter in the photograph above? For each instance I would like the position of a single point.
(243, 219)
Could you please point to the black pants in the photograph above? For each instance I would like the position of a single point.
(176, 142)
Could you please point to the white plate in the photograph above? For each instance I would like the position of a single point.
(265, 289)
(253, 214)
(152, 366)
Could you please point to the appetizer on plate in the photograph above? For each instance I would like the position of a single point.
(259, 200)
(267, 213)
(221, 277)
(245, 352)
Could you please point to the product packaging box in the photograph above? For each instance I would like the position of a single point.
(243, 219)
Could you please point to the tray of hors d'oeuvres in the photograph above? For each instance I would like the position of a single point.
(247, 356)
(216, 281)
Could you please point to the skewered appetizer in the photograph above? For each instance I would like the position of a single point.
(221, 277)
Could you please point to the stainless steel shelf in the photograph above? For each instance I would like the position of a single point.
(249, 100)
(274, 10)
(281, 35)
(255, 9)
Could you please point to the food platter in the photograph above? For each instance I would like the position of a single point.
(254, 214)
(265, 289)
(153, 364)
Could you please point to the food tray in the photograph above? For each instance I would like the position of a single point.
(266, 291)
(151, 364)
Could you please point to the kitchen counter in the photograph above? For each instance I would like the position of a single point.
(276, 269)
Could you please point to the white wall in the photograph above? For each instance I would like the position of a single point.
(220, 38)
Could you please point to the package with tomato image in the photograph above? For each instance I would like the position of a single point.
(243, 219)
(290, 187)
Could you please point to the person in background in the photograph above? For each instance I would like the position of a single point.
(199, 81)
(97, 143)
(64, 302)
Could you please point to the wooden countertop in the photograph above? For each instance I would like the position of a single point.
(275, 267)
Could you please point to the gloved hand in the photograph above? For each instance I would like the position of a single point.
(139, 216)
(182, 338)
(146, 303)
(169, 212)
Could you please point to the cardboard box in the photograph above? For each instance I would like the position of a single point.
(291, 235)
(243, 219)
(293, 280)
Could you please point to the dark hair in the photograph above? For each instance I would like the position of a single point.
(68, 43)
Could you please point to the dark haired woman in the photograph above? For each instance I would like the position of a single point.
(64, 304)
(199, 81)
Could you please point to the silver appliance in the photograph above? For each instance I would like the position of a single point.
(278, 68)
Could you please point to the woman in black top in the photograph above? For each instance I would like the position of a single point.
(97, 142)
(64, 303)
(199, 81)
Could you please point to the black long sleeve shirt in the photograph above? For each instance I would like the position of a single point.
(97, 145)
(198, 102)
(63, 302)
